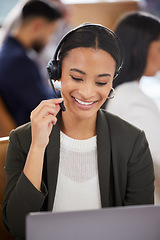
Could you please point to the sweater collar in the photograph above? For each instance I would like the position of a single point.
(104, 156)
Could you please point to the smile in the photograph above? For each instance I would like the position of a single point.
(83, 103)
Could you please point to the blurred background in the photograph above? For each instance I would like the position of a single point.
(106, 12)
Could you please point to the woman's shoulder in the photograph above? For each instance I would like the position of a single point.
(118, 125)
(21, 137)
(123, 135)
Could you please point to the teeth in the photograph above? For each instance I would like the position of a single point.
(84, 103)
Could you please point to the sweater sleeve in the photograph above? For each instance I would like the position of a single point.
(20, 197)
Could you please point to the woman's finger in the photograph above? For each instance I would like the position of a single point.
(52, 103)
(45, 111)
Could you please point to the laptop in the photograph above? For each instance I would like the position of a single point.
(120, 223)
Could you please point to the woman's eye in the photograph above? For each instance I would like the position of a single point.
(76, 78)
(101, 83)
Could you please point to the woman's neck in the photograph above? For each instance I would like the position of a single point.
(78, 128)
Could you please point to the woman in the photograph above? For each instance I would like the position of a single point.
(83, 157)
(140, 36)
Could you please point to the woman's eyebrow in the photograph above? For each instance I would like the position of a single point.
(77, 70)
(82, 72)
(104, 75)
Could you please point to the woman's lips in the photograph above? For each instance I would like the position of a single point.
(84, 105)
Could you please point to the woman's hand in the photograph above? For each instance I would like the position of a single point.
(43, 117)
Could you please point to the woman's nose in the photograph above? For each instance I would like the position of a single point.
(86, 90)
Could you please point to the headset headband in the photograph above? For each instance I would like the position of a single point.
(55, 57)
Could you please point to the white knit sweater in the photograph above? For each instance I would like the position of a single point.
(78, 183)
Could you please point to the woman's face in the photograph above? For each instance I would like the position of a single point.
(153, 59)
(86, 80)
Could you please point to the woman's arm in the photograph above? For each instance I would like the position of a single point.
(42, 120)
(25, 191)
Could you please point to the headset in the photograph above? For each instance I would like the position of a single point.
(54, 65)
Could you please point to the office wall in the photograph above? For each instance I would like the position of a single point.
(105, 13)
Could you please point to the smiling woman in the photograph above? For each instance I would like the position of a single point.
(83, 157)
(86, 81)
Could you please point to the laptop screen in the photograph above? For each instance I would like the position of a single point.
(120, 223)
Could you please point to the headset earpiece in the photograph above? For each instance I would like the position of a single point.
(54, 69)
(54, 73)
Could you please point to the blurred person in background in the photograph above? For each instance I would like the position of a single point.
(41, 58)
(140, 36)
(21, 82)
(63, 26)
(150, 84)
